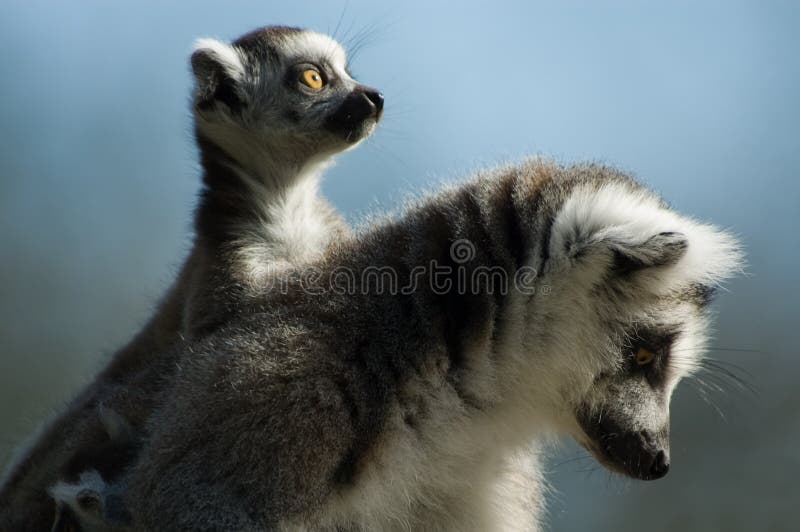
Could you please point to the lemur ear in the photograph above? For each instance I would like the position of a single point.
(662, 249)
(618, 228)
(218, 70)
(630, 251)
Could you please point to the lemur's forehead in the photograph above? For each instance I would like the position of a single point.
(314, 46)
(283, 43)
(666, 316)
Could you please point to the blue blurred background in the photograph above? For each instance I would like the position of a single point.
(699, 99)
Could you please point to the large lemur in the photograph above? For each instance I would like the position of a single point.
(270, 111)
(400, 386)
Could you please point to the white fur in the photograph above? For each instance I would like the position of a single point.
(288, 230)
(312, 44)
(64, 493)
(616, 210)
(227, 55)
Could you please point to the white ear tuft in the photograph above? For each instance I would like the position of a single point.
(223, 54)
(635, 226)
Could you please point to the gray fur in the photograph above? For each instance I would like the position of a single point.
(337, 410)
(263, 143)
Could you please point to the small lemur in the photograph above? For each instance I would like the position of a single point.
(270, 109)
(530, 301)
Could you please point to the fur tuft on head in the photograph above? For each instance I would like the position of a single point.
(221, 53)
(638, 233)
(218, 70)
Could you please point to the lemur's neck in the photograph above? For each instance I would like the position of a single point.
(262, 195)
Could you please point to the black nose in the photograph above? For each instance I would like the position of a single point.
(376, 99)
(659, 467)
(357, 114)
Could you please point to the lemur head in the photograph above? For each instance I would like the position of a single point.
(625, 318)
(280, 95)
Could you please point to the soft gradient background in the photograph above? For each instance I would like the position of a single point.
(699, 99)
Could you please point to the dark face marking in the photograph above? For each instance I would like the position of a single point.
(640, 454)
(629, 431)
(360, 109)
(656, 342)
(293, 81)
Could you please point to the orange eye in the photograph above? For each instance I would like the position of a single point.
(312, 78)
(644, 356)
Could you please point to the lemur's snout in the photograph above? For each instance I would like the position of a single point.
(376, 99)
(641, 454)
(358, 113)
(659, 467)
(366, 102)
